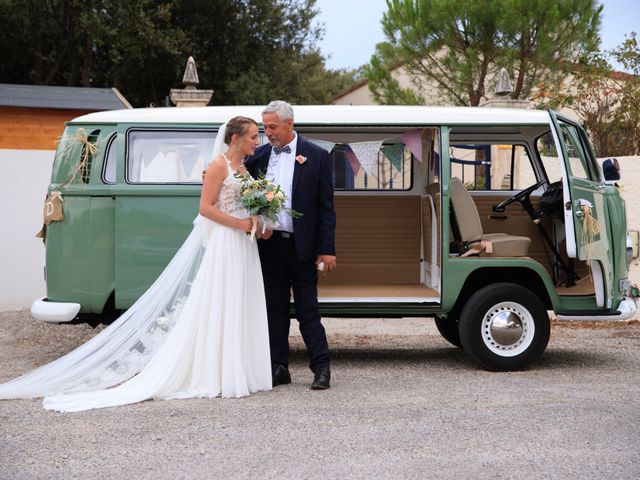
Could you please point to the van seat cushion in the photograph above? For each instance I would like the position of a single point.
(504, 245)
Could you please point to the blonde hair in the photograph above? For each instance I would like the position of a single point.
(238, 126)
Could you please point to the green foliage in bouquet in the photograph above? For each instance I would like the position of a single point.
(262, 197)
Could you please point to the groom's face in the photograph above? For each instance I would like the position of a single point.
(279, 132)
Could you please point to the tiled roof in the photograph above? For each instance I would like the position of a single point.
(64, 98)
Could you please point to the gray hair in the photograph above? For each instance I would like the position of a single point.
(282, 109)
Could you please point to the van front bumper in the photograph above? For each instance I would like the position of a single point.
(54, 312)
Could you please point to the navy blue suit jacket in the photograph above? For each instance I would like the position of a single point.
(311, 195)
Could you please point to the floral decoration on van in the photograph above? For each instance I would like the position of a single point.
(89, 149)
(590, 227)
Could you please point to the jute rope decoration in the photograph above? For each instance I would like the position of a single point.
(52, 211)
(590, 228)
(81, 138)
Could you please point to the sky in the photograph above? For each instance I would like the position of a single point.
(352, 28)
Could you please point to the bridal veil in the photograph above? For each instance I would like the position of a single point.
(125, 347)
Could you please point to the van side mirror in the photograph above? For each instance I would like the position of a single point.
(611, 170)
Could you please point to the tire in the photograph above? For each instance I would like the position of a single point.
(504, 327)
(448, 328)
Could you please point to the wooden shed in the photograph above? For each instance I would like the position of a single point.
(32, 116)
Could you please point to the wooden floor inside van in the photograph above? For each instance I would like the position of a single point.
(583, 286)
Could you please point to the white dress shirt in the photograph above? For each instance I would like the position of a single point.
(280, 172)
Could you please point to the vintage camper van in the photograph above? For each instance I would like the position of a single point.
(484, 219)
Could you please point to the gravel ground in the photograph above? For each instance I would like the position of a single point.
(403, 404)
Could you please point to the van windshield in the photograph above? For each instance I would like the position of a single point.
(492, 166)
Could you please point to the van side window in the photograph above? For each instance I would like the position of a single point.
(546, 147)
(168, 156)
(504, 166)
(578, 160)
(109, 173)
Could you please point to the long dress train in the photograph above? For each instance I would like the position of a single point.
(199, 331)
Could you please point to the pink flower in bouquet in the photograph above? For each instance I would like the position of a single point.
(268, 196)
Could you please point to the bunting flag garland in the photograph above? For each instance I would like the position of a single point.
(328, 146)
(353, 160)
(413, 140)
(367, 154)
(428, 142)
(395, 154)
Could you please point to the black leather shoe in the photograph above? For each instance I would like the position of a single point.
(280, 375)
(321, 379)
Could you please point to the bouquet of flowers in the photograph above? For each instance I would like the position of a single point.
(264, 200)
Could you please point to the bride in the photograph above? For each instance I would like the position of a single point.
(201, 328)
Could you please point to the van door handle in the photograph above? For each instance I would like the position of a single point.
(498, 217)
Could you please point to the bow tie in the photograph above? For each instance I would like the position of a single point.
(279, 150)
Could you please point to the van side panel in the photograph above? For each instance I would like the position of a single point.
(457, 270)
(68, 254)
(102, 258)
(150, 227)
(618, 225)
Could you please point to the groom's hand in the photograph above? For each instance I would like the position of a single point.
(329, 262)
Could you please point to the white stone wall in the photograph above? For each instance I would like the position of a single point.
(24, 178)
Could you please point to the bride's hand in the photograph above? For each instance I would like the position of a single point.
(262, 231)
(246, 225)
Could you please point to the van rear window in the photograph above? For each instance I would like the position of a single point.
(168, 156)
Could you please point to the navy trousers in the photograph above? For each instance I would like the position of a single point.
(283, 272)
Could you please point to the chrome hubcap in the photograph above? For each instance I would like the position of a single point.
(508, 329)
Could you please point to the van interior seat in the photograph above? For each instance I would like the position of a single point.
(470, 227)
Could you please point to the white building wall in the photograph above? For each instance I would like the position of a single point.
(24, 178)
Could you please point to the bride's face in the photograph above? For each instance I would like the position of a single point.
(248, 142)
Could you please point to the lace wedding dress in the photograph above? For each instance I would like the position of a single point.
(199, 331)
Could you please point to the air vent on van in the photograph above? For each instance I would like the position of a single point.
(85, 171)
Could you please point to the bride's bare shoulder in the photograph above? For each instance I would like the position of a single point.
(217, 170)
(218, 164)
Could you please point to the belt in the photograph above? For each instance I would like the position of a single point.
(283, 234)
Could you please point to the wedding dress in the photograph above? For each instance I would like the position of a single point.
(199, 331)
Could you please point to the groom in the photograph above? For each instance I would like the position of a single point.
(292, 255)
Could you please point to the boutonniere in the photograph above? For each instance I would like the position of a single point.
(301, 159)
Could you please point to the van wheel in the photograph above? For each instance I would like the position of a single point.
(504, 326)
(448, 328)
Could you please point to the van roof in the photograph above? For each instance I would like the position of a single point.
(328, 115)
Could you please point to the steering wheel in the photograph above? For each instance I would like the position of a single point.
(522, 196)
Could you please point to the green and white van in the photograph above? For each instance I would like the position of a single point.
(484, 219)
